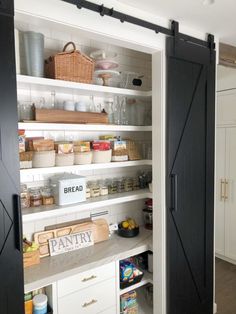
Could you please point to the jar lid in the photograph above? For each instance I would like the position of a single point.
(40, 300)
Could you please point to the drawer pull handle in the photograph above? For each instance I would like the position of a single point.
(89, 278)
(86, 304)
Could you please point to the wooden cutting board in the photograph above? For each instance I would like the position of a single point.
(64, 116)
(99, 227)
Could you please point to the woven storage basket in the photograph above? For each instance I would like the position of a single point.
(133, 151)
(70, 66)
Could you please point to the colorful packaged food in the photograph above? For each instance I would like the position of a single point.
(39, 144)
(63, 147)
(101, 145)
(128, 303)
(21, 136)
(81, 146)
(119, 151)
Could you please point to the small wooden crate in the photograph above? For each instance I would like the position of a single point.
(63, 116)
(31, 258)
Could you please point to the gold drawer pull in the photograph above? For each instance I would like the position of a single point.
(222, 197)
(89, 278)
(86, 304)
(226, 190)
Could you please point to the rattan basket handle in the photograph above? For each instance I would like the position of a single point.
(69, 43)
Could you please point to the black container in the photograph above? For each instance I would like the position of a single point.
(50, 311)
(126, 233)
(128, 283)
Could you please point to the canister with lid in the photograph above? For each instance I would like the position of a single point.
(40, 302)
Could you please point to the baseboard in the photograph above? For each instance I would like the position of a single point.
(215, 308)
(224, 258)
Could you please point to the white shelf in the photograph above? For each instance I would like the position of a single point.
(110, 165)
(35, 126)
(44, 84)
(47, 212)
(147, 278)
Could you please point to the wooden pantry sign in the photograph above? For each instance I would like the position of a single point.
(70, 242)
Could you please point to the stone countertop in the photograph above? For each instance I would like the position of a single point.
(52, 269)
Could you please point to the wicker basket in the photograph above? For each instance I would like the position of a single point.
(70, 66)
(133, 151)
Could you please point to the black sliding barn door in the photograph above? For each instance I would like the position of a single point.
(11, 268)
(190, 177)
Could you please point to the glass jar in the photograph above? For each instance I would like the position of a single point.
(112, 187)
(103, 188)
(121, 185)
(136, 185)
(24, 196)
(128, 184)
(94, 189)
(35, 197)
(88, 191)
(47, 195)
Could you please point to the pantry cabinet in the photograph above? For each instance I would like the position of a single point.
(73, 284)
(226, 191)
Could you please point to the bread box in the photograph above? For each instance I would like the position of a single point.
(68, 188)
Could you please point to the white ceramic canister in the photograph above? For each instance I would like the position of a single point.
(64, 160)
(40, 303)
(84, 158)
(81, 106)
(102, 156)
(44, 159)
(69, 105)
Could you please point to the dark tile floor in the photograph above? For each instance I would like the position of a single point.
(225, 287)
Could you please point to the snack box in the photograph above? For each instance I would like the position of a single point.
(81, 146)
(21, 136)
(101, 145)
(63, 147)
(118, 145)
(39, 144)
(68, 188)
(107, 137)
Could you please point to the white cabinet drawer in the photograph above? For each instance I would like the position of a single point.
(111, 310)
(92, 300)
(85, 279)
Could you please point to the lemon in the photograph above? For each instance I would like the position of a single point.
(125, 224)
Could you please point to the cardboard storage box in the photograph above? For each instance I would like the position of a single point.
(68, 188)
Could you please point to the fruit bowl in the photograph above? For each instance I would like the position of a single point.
(127, 233)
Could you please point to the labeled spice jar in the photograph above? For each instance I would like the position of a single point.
(103, 187)
(47, 195)
(24, 196)
(94, 189)
(128, 184)
(136, 185)
(35, 197)
(88, 191)
(112, 186)
(121, 185)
